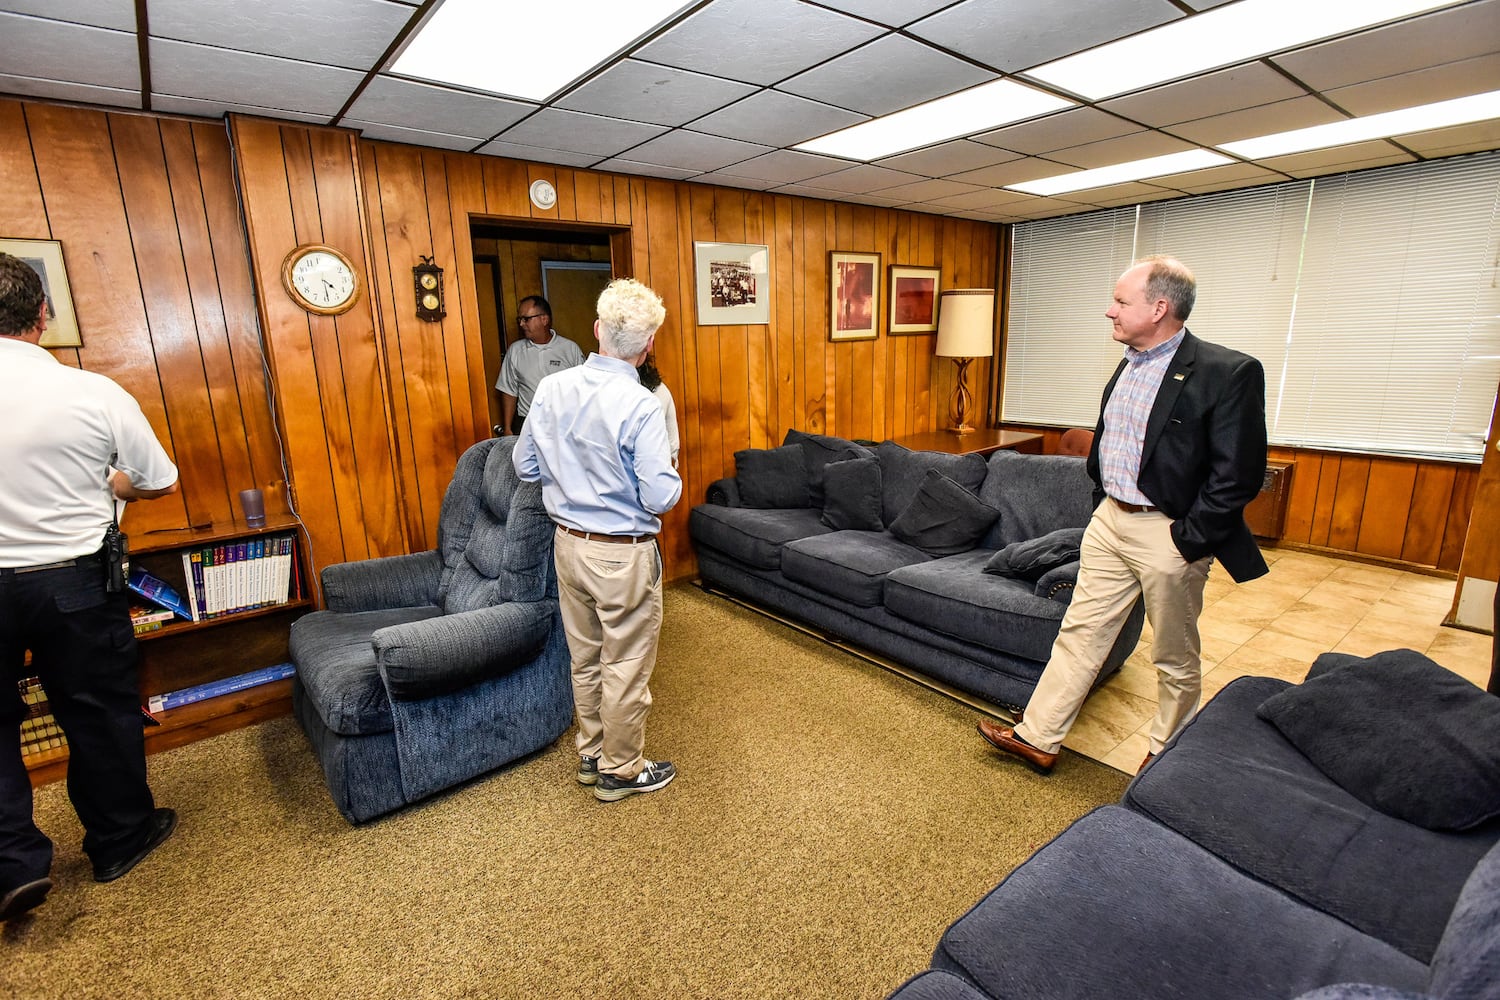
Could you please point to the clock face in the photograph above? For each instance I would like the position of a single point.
(321, 279)
(429, 281)
(543, 194)
(430, 301)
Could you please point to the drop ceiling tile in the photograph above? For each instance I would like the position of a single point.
(1065, 128)
(411, 136)
(948, 158)
(1014, 172)
(760, 41)
(812, 191)
(864, 178)
(72, 53)
(1136, 146)
(181, 69)
(643, 92)
(1047, 208)
(928, 190)
(1268, 119)
(558, 129)
(117, 14)
(168, 104)
(731, 180)
(390, 100)
(889, 74)
(1022, 33)
(878, 200)
(1407, 90)
(1125, 194)
(894, 13)
(1453, 141)
(647, 169)
(1232, 89)
(787, 166)
(1230, 175)
(776, 119)
(1359, 156)
(984, 199)
(537, 154)
(349, 33)
(54, 90)
(695, 151)
(1443, 36)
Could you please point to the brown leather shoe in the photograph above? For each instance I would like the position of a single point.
(1004, 739)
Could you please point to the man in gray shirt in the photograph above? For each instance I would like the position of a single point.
(538, 352)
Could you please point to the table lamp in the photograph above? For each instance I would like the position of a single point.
(966, 324)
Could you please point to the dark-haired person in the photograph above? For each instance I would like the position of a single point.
(539, 351)
(1179, 450)
(651, 380)
(72, 444)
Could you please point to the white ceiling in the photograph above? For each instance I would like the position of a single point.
(721, 93)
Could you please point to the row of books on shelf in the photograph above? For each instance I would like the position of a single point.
(223, 579)
(41, 733)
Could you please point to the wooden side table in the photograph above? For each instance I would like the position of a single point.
(983, 441)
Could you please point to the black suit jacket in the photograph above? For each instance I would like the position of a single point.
(1204, 456)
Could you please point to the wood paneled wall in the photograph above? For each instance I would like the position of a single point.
(150, 227)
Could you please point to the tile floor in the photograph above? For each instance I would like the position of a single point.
(1276, 626)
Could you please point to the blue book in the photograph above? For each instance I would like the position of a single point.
(226, 685)
(156, 589)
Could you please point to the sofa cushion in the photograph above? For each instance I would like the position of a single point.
(771, 478)
(1389, 878)
(943, 518)
(851, 494)
(902, 471)
(346, 688)
(955, 596)
(818, 450)
(1467, 963)
(753, 537)
(1401, 734)
(1035, 495)
(1030, 559)
(848, 565)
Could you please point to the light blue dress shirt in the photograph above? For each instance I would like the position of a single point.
(597, 442)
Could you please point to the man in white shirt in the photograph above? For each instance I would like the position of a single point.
(73, 443)
(597, 442)
(538, 352)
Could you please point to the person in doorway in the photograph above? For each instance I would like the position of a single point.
(74, 443)
(539, 351)
(1179, 451)
(651, 380)
(597, 442)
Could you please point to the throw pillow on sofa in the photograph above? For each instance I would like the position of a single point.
(771, 478)
(1030, 559)
(1402, 735)
(818, 450)
(944, 518)
(851, 495)
(903, 471)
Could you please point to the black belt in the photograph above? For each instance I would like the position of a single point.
(1135, 508)
(92, 557)
(594, 536)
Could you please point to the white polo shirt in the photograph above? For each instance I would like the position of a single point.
(63, 430)
(526, 364)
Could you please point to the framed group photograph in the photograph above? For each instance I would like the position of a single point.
(733, 283)
(914, 298)
(46, 259)
(853, 295)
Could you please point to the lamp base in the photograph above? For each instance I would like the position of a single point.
(961, 429)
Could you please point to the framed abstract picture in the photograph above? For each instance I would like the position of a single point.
(733, 283)
(853, 295)
(46, 259)
(914, 298)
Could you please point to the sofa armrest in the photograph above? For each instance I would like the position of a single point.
(724, 492)
(437, 655)
(409, 581)
(1057, 583)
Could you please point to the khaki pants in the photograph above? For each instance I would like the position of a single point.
(1124, 555)
(611, 602)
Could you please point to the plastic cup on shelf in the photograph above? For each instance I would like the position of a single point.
(253, 503)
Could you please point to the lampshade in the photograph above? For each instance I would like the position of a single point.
(966, 323)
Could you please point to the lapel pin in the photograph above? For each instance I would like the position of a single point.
(1180, 376)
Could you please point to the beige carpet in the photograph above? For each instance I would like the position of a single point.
(830, 820)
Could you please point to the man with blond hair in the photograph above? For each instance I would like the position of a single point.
(596, 440)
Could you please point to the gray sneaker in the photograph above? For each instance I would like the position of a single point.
(657, 774)
(588, 769)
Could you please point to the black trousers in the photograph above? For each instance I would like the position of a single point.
(84, 650)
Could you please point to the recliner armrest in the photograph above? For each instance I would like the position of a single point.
(1057, 583)
(422, 659)
(409, 581)
(724, 493)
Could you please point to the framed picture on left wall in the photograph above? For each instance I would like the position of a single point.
(46, 259)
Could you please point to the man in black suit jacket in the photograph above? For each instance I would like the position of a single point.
(1179, 450)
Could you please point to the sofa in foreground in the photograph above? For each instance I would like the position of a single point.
(1331, 840)
(956, 566)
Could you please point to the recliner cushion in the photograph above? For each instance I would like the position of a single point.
(772, 478)
(848, 565)
(493, 533)
(336, 662)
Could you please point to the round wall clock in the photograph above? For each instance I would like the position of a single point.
(543, 194)
(320, 279)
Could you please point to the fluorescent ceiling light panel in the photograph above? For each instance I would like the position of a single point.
(1119, 173)
(520, 50)
(1223, 36)
(1424, 118)
(987, 106)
